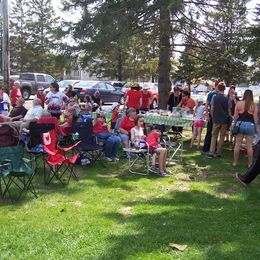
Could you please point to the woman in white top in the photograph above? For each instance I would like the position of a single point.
(198, 123)
(55, 100)
(4, 102)
(137, 132)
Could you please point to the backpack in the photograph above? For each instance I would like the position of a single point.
(9, 134)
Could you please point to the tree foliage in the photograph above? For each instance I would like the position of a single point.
(34, 38)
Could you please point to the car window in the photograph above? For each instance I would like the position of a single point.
(27, 77)
(100, 85)
(110, 87)
(49, 78)
(40, 78)
(84, 84)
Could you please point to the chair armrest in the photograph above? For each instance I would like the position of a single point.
(48, 151)
(65, 149)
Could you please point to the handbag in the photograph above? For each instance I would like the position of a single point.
(235, 128)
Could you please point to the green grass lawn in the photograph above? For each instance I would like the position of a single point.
(110, 214)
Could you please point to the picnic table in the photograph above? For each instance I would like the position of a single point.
(168, 120)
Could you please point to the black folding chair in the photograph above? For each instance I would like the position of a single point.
(88, 146)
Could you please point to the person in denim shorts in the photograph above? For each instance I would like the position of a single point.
(246, 119)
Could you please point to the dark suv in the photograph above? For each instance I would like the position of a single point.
(30, 82)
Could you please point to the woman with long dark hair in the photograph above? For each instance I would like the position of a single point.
(55, 100)
(246, 119)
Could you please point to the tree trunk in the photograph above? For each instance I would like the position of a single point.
(164, 66)
(119, 65)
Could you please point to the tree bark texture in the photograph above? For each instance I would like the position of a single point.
(164, 66)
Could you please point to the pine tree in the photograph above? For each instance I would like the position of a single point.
(225, 56)
(20, 48)
(107, 26)
(42, 28)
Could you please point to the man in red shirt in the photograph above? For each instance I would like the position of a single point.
(146, 98)
(126, 125)
(133, 97)
(15, 93)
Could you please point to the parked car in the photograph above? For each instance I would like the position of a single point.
(108, 93)
(63, 84)
(117, 84)
(30, 82)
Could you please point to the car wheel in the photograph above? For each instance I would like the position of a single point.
(26, 93)
(122, 101)
(154, 104)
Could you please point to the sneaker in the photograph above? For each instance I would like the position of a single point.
(116, 159)
(108, 159)
(238, 176)
(210, 155)
(163, 174)
(154, 169)
(168, 172)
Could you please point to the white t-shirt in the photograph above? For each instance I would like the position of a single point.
(4, 106)
(199, 114)
(55, 101)
(34, 113)
(138, 133)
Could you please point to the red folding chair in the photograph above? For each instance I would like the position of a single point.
(57, 160)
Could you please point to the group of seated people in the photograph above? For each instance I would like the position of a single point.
(66, 109)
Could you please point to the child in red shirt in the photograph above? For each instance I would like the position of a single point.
(153, 139)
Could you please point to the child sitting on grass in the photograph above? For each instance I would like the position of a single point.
(153, 139)
(198, 123)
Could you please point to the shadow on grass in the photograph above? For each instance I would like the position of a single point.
(218, 228)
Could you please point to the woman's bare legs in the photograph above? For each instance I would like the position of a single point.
(249, 147)
(194, 136)
(238, 143)
(199, 137)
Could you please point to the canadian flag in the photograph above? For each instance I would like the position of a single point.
(46, 138)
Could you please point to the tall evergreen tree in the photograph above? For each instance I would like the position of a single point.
(111, 23)
(225, 55)
(42, 28)
(20, 47)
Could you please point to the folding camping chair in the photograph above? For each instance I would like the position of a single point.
(88, 146)
(15, 171)
(138, 160)
(173, 142)
(56, 159)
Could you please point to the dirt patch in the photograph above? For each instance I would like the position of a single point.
(126, 211)
(111, 175)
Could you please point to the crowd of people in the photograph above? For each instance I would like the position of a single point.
(227, 118)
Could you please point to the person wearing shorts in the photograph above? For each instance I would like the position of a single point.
(246, 119)
(198, 123)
